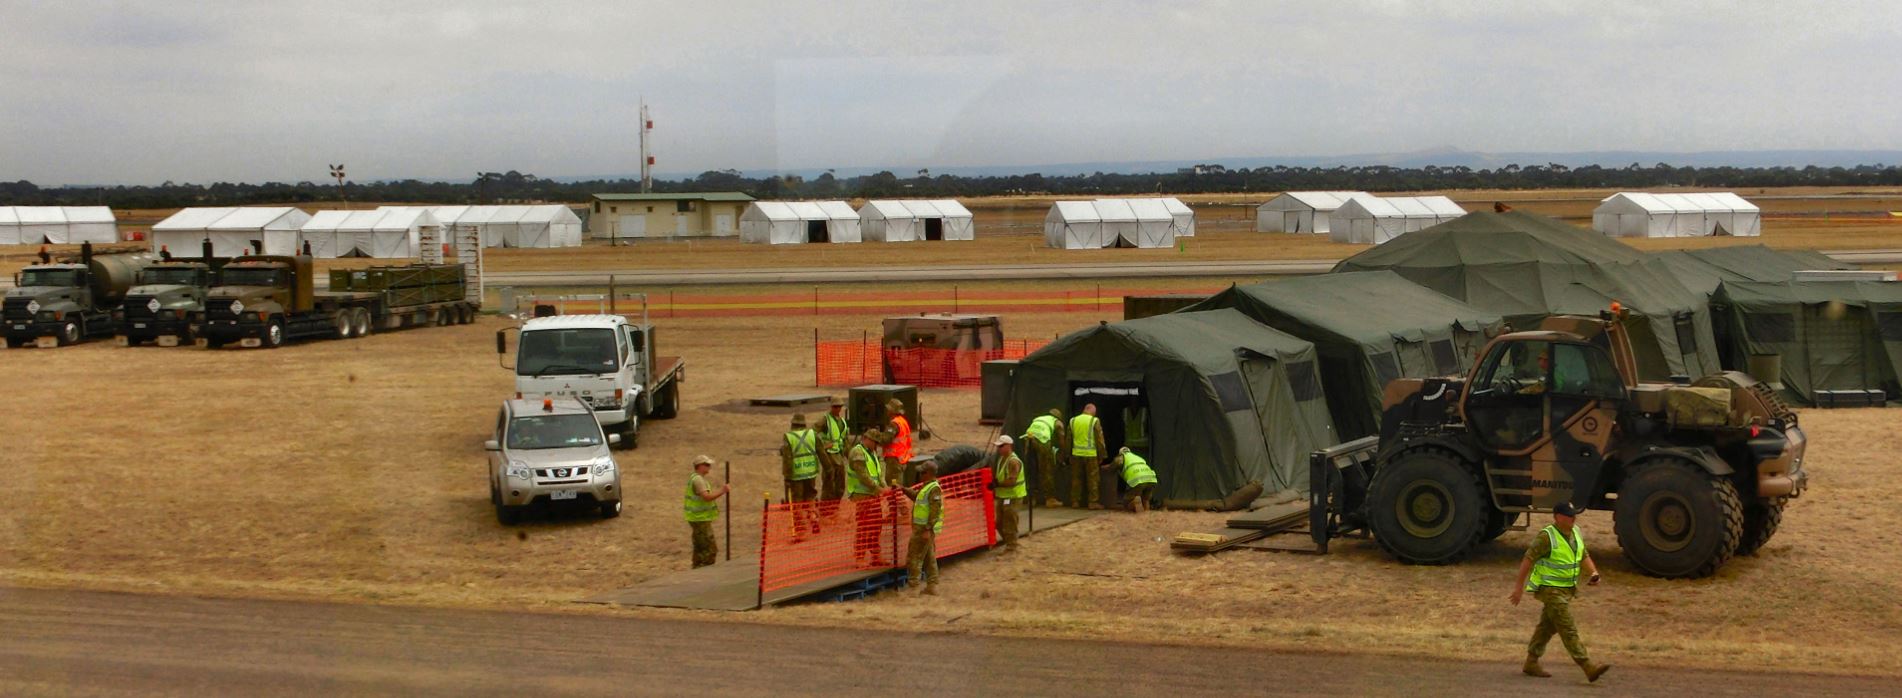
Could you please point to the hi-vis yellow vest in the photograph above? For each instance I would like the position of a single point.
(1083, 435)
(805, 454)
(1558, 568)
(921, 508)
(1042, 428)
(872, 468)
(697, 509)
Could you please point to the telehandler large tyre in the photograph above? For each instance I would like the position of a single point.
(1427, 507)
(1760, 521)
(1675, 520)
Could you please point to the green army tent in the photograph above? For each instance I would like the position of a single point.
(1704, 269)
(1229, 400)
(1368, 328)
(1831, 335)
(1527, 267)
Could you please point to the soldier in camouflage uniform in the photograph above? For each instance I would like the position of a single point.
(927, 520)
(702, 509)
(1550, 571)
(1007, 486)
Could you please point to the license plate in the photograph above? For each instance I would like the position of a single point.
(138, 325)
(19, 327)
(558, 495)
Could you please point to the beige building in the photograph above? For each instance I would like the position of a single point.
(678, 215)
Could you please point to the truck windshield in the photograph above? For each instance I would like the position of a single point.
(249, 277)
(168, 277)
(49, 277)
(554, 431)
(567, 352)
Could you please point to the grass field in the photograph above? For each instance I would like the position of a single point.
(354, 471)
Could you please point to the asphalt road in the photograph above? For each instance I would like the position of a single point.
(90, 643)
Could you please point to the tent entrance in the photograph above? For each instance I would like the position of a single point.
(1116, 404)
(816, 231)
(1718, 229)
(934, 228)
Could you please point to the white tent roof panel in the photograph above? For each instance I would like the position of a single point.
(193, 218)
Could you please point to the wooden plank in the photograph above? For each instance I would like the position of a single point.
(1278, 517)
(1213, 541)
(1285, 542)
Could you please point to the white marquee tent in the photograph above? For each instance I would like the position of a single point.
(1301, 211)
(1643, 214)
(1374, 220)
(1183, 216)
(533, 226)
(915, 219)
(232, 231)
(58, 225)
(794, 222)
(1111, 223)
(387, 232)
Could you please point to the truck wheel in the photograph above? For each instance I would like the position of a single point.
(611, 510)
(274, 334)
(345, 325)
(214, 343)
(361, 320)
(1675, 520)
(1426, 508)
(465, 313)
(1760, 521)
(667, 403)
(70, 333)
(630, 435)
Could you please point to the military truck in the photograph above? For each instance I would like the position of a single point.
(168, 302)
(1693, 471)
(69, 301)
(267, 300)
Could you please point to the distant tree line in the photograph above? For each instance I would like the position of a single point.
(516, 187)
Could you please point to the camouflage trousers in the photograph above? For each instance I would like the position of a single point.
(1086, 480)
(1007, 522)
(921, 557)
(1556, 619)
(1137, 498)
(832, 475)
(1043, 459)
(805, 512)
(706, 550)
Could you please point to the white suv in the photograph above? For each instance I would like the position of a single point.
(551, 451)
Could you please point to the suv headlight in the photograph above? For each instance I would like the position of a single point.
(519, 471)
(603, 465)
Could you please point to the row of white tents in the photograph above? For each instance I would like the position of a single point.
(1360, 217)
(387, 232)
(1152, 222)
(1646, 215)
(57, 225)
(880, 220)
(1353, 216)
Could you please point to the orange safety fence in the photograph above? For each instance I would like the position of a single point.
(825, 301)
(810, 542)
(858, 362)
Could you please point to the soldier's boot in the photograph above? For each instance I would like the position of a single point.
(1532, 668)
(931, 589)
(1593, 670)
(1051, 502)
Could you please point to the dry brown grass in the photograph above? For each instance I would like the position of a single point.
(353, 471)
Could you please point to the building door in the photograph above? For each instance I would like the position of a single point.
(633, 226)
(723, 224)
(680, 225)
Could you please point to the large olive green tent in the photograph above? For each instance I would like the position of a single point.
(1368, 328)
(1229, 400)
(1527, 267)
(1830, 335)
(1704, 269)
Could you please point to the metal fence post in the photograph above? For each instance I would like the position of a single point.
(766, 503)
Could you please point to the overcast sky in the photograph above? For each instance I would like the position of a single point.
(142, 92)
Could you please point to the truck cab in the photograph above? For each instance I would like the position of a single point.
(605, 361)
(253, 298)
(167, 304)
(68, 301)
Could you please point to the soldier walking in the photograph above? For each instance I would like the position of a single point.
(927, 519)
(1007, 485)
(834, 438)
(1086, 437)
(799, 463)
(702, 509)
(1550, 571)
(1045, 433)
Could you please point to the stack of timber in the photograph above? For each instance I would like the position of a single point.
(1244, 527)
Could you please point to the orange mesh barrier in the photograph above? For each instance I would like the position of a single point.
(859, 362)
(805, 543)
(833, 302)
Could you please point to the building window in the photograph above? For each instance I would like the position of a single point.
(597, 206)
(611, 209)
(650, 209)
(684, 206)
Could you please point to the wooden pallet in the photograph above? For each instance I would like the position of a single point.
(1243, 528)
(794, 400)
